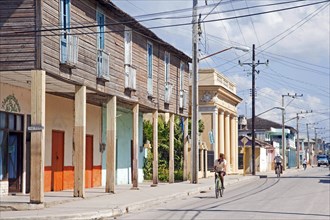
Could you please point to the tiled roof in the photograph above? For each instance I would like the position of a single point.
(264, 124)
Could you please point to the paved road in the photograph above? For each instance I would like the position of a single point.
(301, 195)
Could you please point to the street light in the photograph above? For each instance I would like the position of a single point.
(194, 110)
(281, 108)
(242, 48)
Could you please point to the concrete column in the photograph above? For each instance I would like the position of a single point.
(111, 145)
(236, 143)
(155, 148)
(171, 153)
(205, 162)
(221, 132)
(79, 139)
(215, 133)
(135, 145)
(227, 140)
(38, 112)
(201, 160)
(232, 143)
(185, 150)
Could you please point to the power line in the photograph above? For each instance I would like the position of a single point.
(163, 26)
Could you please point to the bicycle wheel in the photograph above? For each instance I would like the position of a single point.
(221, 190)
(217, 188)
(278, 172)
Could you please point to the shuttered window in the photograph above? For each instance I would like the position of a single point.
(181, 75)
(128, 46)
(65, 25)
(149, 66)
(100, 30)
(167, 67)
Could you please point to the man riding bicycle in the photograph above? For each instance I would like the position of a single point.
(220, 168)
(278, 162)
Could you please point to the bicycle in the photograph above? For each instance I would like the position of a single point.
(278, 171)
(218, 186)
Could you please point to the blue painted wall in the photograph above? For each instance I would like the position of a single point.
(123, 150)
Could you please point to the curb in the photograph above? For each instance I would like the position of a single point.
(131, 207)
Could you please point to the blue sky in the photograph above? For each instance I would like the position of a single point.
(296, 42)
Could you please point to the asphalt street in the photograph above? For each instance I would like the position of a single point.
(300, 195)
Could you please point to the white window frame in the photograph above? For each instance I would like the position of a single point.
(167, 66)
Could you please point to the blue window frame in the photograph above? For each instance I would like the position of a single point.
(100, 29)
(65, 25)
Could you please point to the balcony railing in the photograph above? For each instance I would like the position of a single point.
(103, 65)
(168, 92)
(70, 53)
(130, 78)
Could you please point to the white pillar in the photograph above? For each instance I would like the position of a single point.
(227, 140)
(221, 133)
(215, 133)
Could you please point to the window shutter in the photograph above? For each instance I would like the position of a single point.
(128, 46)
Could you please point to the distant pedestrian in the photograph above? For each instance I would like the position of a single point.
(304, 163)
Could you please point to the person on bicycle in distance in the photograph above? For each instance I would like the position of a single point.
(278, 161)
(220, 168)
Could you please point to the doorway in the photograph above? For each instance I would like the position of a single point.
(15, 158)
(57, 160)
(89, 162)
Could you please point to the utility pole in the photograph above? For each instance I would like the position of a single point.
(298, 143)
(308, 147)
(283, 127)
(194, 97)
(253, 65)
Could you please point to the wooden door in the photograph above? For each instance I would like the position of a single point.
(57, 160)
(89, 162)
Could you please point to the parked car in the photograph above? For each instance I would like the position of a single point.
(322, 160)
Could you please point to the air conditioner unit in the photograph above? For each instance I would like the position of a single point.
(168, 92)
(130, 78)
(183, 99)
(103, 65)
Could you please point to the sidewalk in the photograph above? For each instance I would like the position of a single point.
(98, 204)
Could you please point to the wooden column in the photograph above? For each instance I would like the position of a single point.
(221, 133)
(111, 145)
(185, 150)
(227, 140)
(38, 111)
(155, 148)
(135, 145)
(232, 143)
(171, 153)
(79, 146)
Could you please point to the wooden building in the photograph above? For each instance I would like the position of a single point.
(76, 78)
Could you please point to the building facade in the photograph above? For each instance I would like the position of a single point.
(76, 78)
(218, 111)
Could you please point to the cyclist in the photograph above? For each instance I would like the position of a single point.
(220, 168)
(278, 161)
(304, 163)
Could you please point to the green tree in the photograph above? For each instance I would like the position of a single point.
(163, 148)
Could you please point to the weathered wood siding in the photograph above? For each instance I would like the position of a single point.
(17, 51)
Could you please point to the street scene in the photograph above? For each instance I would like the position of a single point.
(164, 109)
(298, 195)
